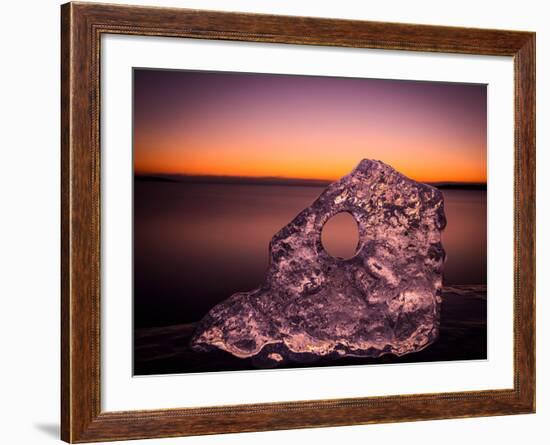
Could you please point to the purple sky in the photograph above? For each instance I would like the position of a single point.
(306, 126)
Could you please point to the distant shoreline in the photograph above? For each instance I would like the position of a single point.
(237, 180)
(240, 180)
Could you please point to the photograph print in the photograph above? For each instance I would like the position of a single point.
(292, 221)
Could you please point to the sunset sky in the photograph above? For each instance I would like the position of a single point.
(234, 124)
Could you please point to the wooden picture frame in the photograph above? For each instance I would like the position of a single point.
(82, 25)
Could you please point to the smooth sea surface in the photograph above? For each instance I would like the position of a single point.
(196, 244)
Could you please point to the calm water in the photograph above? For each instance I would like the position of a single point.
(196, 244)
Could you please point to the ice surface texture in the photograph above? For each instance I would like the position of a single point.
(385, 299)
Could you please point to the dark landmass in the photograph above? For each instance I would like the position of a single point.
(241, 180)
(463, 336)
(152, 178)
(459, 185)
(268, 180)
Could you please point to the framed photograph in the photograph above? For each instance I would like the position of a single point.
(274, 222)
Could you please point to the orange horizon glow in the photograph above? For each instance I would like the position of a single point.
(421, 173)
(218, 124)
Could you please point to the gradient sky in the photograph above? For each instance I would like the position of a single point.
(207, 123)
